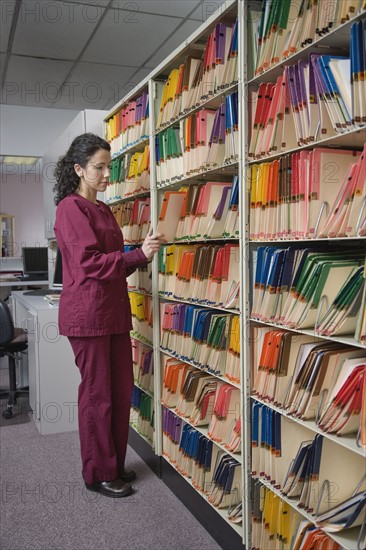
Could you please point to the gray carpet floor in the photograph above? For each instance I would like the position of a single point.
(44, 504)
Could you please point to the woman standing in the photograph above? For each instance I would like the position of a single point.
(94, 310)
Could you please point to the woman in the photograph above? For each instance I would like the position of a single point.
(94, 310)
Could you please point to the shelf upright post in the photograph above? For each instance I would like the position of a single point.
(155, 274)
(244, 265)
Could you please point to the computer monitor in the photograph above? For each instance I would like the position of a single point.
(35, 261)
(57, 273)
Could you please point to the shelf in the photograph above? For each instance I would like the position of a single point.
(328, 240)
(177, 356)
(347, 538)
(141, 87)
(8, 246)
(129, 198)
(347, 441)
(337, 39)
(203, 240)
(334, 42)
(151, 395)
(140, 338)
(353, 139)
(348, 340)
(221, 511)
(208, 306)
(213, 102)
(138, 145)
(138, 243)
(136, 291)
(135, 427)
(194, 45)
(229, 169)
(204, 431)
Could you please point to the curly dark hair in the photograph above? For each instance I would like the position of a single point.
(81, 150)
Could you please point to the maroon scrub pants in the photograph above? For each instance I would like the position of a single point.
(104, 399)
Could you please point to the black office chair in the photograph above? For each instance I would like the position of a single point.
(12, 340)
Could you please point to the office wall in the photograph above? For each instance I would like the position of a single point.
(22, 196)
(27, 131)
(30, 130)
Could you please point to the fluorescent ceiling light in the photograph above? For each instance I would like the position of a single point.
(29, 161)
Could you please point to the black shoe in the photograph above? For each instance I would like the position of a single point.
(116, 488)
(127, 476)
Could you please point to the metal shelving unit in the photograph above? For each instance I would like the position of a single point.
(337, 40)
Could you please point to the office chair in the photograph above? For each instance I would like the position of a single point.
(12, 341)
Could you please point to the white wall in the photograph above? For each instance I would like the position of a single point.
(23, 197)
(29, 131)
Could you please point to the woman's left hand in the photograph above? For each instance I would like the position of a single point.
(151, 244)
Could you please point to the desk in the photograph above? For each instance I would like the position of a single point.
(53, 375)
(9, 266)
(8, 283)
(13, 281)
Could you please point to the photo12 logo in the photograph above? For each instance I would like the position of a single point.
(54, 11)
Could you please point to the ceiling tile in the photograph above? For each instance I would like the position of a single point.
(129, 86)
(117, 41)
(77, 103)
(176, 8)
(7, 8)
(180, 35)
(98, 84)
(142, 73)
(54, 29)
(93, 3)
(34, 82)
(2, 67)
(206, 9)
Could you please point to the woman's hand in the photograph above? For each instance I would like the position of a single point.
(151, 244)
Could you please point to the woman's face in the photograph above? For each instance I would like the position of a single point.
(94, 177)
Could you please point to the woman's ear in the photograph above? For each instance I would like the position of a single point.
(78, 169)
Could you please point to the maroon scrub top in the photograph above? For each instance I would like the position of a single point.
(94, 299)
